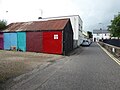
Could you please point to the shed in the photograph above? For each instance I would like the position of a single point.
(10, 41)
(51, 36)
(1, 41)
(21, 41)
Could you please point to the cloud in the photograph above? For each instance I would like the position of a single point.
(92, 12)
(97, 11)
(30, 9)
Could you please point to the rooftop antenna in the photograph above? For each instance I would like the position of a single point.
(41, 12)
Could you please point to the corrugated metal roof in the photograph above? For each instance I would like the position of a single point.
(57, 24)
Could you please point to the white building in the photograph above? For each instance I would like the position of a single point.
(85, 35)
(100, 34)
(77, 25)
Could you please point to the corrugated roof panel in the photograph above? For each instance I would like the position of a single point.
(57, 24)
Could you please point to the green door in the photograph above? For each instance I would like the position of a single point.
(21, 36)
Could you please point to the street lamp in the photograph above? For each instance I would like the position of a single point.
(101, 30)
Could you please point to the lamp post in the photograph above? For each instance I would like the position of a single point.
(101, 30)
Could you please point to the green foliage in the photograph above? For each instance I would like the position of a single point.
(3, 24)
(114, 28)
(89, 34)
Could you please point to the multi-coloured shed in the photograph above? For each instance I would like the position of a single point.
(1, 41)
(52, 36)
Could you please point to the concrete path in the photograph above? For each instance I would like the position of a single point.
(91, 69)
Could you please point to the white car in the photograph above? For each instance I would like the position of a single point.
(86, 43)
(90, 41)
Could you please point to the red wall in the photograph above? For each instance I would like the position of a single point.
(44, 42)
(34, 41)
(1, 41)
(51, 45)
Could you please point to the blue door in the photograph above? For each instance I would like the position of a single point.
(6, 41)
(13, 40)
(21, 40)
(10, 40)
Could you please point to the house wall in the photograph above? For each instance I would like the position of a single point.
(34, 41)
(1, 41)
(21, 41)
(10, 40)
(100, 36)
(52, 42)
(80, 29)
(75, 27)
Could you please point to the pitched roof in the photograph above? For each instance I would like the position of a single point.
(100, 31)
(57, 24)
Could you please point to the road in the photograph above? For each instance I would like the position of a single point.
(90, 68)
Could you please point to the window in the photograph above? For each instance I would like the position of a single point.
(56, 36)
(81, 27)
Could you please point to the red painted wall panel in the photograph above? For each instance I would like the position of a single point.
(52, 42)
(34, 41)
(1, 41)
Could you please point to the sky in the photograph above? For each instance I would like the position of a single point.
(95, 14)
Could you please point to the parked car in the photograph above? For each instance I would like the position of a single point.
(90, 41)
(86, 43)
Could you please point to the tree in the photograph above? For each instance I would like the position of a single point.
(3, 24)
(114, 28)
(89, 34)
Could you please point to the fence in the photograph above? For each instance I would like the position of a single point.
(112, 49)
(114, 42)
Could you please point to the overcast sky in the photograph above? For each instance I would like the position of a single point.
(92, 12)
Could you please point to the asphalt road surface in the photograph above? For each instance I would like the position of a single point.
(90, 68)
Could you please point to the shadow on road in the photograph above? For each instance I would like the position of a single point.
(76, 51)
(80, 49)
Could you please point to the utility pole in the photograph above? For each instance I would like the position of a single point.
(101, 29)
(41, 12)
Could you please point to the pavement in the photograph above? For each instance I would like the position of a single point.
(89, 68)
